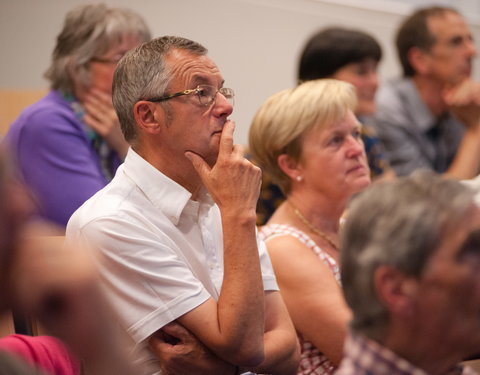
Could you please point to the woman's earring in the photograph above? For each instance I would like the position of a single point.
(299, 178)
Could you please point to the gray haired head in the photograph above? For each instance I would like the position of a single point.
(399, 224)
(90, 31)
(143, 73)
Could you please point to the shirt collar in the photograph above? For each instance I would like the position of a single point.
(164, 193)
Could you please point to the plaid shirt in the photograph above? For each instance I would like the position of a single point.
(366, 357)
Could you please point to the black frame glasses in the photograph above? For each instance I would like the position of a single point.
(206, 94)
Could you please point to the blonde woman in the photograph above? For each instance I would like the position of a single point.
(308, 140)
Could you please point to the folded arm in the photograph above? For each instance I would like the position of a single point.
(181, 353)
(233, 326)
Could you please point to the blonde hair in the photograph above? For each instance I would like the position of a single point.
(282, 121)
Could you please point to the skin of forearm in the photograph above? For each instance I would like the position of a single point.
(279, 360)
(241, 305)
(466, 163)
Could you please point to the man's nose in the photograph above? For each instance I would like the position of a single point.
(222, 106)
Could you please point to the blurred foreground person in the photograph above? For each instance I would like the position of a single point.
(56, 286)
(410, 261)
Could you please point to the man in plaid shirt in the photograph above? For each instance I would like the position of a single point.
(410, 260)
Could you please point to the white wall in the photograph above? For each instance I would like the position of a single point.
(256, 43)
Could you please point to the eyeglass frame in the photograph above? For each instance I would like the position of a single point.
(193, 91)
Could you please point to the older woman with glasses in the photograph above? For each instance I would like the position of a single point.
(309, 142)
(69, 144)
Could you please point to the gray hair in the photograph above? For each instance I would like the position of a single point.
(399, 224)
(89, 31)
(143, 73)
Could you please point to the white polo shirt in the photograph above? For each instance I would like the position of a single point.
(161, 252)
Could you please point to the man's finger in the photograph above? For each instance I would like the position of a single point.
(175, 330)
(226, 140)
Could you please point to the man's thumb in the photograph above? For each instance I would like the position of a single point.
(198, 163)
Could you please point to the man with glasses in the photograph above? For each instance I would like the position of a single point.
(176, 226)
(430, 118)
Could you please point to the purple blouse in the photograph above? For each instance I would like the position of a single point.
(55, 157)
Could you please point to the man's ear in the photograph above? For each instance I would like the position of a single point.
(396, 290)
(289, 166)
(419, 60)
(149, 116)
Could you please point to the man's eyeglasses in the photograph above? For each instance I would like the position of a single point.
(206, 94)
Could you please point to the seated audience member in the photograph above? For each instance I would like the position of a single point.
(176, 226)
(429, 119)
(410, 259)
(59, 288)
(69, 143)
(351, 56)
(308, 139)
(15, 208)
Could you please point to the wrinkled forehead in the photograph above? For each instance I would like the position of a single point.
(189, 70)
